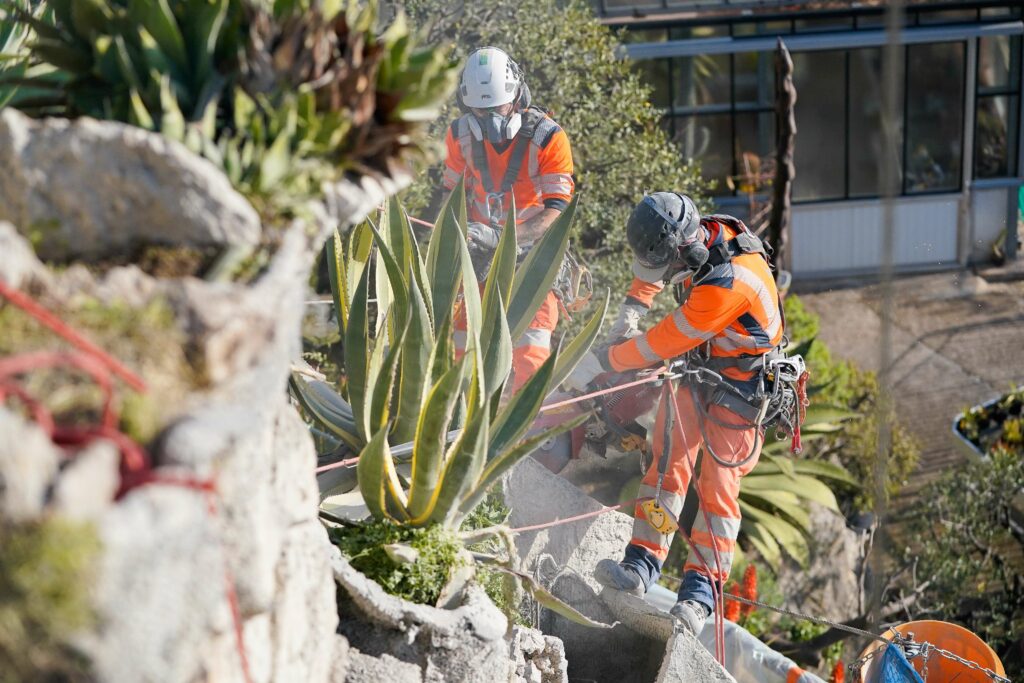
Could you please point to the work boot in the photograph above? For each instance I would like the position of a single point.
(691, 614)
(620, 576)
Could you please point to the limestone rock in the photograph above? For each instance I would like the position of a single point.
(88, 484)
(462, 644)
(686, 661)
(18, 263)
(379, 668)
(28, 463)
(537, 658)
(92, 188)
(563, 558)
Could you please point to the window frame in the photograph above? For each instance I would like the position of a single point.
(1012, 91)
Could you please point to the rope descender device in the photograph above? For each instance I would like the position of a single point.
(661, 518)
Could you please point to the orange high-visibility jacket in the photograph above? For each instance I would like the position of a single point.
(544, 178)
(735, 309)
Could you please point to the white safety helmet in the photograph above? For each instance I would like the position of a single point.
(491, 79)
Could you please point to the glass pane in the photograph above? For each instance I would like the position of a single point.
(755, 78)
(755, 151)
(832, 23)
(691, 32)
(872, 20)
(949, 16)
(630, 4)
(995, 144)
(935, 96)
(995, 12)
(772, 28)
(644, 35)
(701, 80)
(820, 80)
(996, 61)
(655, 73)
(707, 139)
(865, 129)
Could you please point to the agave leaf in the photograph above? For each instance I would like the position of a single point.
(503, 265)
(394, 287)
(443, 266)
(802, 485)
(463, 466)
(470, 296)
(277, 161)
(781, 463)
(172, 122)
(357, 256)
(428, 448)
(534, 278)
(787, 536)
(203, 21)
(414, 377)
(356, 365)
(541, 595)
(497, 345)
(90, 17)
(380, 404)
(335, 256)
(763, 541)
(580, 345)
(498, 465)
(372, 472)
(515, 418)
(158, 19)
(328, 409)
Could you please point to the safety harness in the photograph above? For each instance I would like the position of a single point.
(573, 285)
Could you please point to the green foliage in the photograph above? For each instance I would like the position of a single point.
(968, 545)
(45, 571)
(420, 581)
(619, 149)
(283, 96)
(404, 385)
(996, 426)
(492, 512)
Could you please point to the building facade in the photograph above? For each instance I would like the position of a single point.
(711, 64)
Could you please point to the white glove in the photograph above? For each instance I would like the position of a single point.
(584, 373)
(627, 325)
(483, 236)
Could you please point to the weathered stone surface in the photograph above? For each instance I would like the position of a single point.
(686, 661)
(379, 668)
(340, 659)
(462, 644)
(829, 585)
(28, 463)
(18, 263)
(91, 188)
(88, 483)
(537, 658)
(564, 557)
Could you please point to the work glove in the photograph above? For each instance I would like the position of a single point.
(483, 236)
(584, 373)
(627, 325)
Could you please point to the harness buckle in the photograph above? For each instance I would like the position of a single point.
(495, 207)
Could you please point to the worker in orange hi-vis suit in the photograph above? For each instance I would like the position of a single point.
(507, 148)
(731, 311)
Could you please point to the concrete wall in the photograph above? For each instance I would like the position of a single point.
(988, 215)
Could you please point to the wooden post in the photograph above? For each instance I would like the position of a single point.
(785, 134)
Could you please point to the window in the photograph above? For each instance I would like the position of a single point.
(708, 140)
(701, 80)
(934, 114)
(819, 156)
(865, 138)
(998, 107)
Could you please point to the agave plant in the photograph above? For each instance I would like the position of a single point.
(282, 95)
(773, 496)
(409, 401)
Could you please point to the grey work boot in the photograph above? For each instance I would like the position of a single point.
(619, 576)
(691, 614)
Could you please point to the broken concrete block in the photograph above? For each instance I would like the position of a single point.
(686, 661)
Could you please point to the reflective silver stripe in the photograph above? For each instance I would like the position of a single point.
(451, 178)
(724, 527)
(642, 531)
(532, 161)
(686, 329)
(739, 341)
(646, 352)
(459, 337)
(709, 556)
(534, 337)
(770, 305)
(673, 501)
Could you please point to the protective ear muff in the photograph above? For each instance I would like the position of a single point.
(459, 101)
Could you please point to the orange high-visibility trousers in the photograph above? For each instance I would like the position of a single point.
(718, 487)
(531, 349)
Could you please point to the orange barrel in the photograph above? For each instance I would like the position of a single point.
(956, 639)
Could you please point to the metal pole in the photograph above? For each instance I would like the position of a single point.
(889, 175)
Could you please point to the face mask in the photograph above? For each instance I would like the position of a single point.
(494, 127)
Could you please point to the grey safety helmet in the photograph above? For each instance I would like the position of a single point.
(664, 231)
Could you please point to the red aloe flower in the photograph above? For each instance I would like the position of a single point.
(749, 588)
(838, 673)
(732, 608)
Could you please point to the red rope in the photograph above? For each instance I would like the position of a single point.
(25, 303)
(576, 518)
(136, 467)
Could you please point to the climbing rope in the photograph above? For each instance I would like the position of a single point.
(99, 366)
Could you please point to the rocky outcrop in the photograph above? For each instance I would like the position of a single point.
(687, 660)
(419, 642)
(87, 189)
(537, 658)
